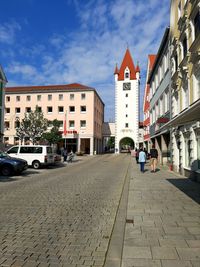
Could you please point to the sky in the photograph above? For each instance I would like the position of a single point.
(78, 41)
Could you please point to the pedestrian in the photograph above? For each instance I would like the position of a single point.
(142, 159)
(64, 154)
(136, 155)
(153, 158)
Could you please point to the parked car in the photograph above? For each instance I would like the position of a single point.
(9, 165)
(36, 155)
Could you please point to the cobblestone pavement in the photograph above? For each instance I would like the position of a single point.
(164, 221)
(63, 216)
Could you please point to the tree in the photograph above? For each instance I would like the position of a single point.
(54, 136)
(111, 142)
(32, 126)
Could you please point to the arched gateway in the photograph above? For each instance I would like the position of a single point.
(127, 84)
(126, 144)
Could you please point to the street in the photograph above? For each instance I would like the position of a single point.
(62, 216)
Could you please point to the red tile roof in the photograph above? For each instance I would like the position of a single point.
(127, 62)
(151, 61)
(116, 70)
(71, 86)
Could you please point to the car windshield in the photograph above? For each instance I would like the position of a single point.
(4, 155)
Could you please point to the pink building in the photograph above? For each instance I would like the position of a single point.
(79, 104)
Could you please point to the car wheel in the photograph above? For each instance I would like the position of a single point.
(6, 170)
(36, 164)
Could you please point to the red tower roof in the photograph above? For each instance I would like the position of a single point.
(116, 70)
(127, 62)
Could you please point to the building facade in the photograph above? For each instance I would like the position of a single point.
(159, 82)
(3, 82)
(146, 104)
(127, 87)
(79, 105)
(185, 86)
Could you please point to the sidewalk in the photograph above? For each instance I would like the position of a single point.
(163, 220)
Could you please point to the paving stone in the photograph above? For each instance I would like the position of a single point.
(176, 263)
(164, 253)
(137, 252)
(189, 253)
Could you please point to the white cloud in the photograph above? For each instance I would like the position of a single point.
(8, 32)
(89, 55)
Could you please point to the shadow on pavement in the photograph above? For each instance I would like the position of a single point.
(190, 188)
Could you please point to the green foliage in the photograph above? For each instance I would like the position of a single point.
(111, 142)
(54, 136)
(32, 126)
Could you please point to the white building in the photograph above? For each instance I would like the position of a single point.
(127, 84)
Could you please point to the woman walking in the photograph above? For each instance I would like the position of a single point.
(142, 159)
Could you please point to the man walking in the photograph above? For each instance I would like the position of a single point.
(142, 159)
(154, 157)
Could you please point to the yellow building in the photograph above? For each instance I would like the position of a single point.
(185, 86)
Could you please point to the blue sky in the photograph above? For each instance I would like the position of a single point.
(66, 41)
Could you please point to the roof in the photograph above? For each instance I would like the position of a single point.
(127, 62)
(163, 44)
(72, 86)
(151, 61)
(150, 64)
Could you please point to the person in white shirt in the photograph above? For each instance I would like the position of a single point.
(142, 159)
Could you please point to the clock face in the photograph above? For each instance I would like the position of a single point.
(126, 86)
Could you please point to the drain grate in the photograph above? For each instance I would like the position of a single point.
(130, 221)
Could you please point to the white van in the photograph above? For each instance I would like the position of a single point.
(35, 155)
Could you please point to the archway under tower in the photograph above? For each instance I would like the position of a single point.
(126, 144)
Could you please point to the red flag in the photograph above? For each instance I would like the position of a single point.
(65, 125)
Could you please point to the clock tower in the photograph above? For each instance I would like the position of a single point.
(127, 87)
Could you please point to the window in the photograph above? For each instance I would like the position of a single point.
(28, 98)
(17, 110)
(60, 97)
(126, 95)
(126, 115)
(126, 75)
(61, 109)
(197, 24)
(13, 150)
(31, 150)
(83, 108)
(7, 125)
(196, 86)
(28, 109)
(49, 109)
(126, 125)
(187, 152)
(126, 105)
(83, 124)
(7, 110)
(39, 97)
(179, 9)
(83, 96)
(6, 140)
(72, 109)
(49, 97)
(7, 98)
(71, 96)
(17, 124)
(176, 61)
(39, 109)
(184, 47)
(17, 98)
(71, 124)
(198, 151)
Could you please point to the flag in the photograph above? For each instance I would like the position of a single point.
(65, 125)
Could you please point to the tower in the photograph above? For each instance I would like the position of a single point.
(127, 85)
